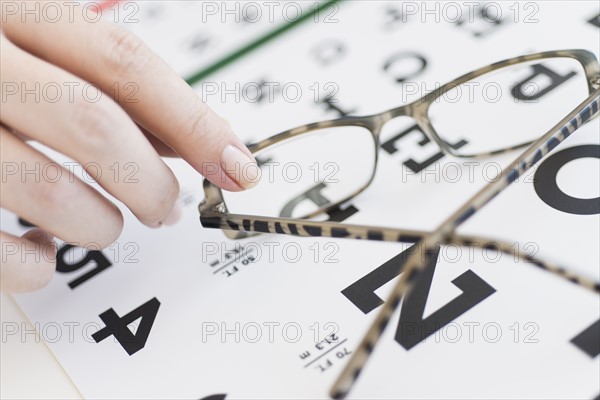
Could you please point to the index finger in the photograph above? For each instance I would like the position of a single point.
(163, 103)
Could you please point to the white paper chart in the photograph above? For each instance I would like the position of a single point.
(280, 320)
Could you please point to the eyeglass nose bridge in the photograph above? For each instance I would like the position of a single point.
(416, 110)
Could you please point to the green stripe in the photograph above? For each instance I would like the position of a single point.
(255, 44)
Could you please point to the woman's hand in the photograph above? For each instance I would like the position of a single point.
(97, 94)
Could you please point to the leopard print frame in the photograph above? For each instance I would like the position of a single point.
(214, 214)
(414, 265)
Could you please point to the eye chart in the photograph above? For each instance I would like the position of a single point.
(213, 320)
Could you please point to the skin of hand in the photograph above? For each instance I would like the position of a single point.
(83, 59)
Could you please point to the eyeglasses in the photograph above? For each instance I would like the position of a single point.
(315, 169)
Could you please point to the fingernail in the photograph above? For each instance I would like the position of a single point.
(240, 167)
(45, 240)
(39, 236)
(174, 216)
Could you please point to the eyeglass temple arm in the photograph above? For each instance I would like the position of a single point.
(213, 203)
(594, 85)
(293, 227)
(414, 265)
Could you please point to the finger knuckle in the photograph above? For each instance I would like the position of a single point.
(126, 54)
(196, 127)
(54, 195)
(93, 127)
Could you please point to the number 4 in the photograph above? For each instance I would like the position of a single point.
(118, 326)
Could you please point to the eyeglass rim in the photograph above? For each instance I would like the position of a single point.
(413, 268)
(215, 215)
(585, 111)
(418, 110)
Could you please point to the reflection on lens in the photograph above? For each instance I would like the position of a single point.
(510, 106)
(305, 174)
